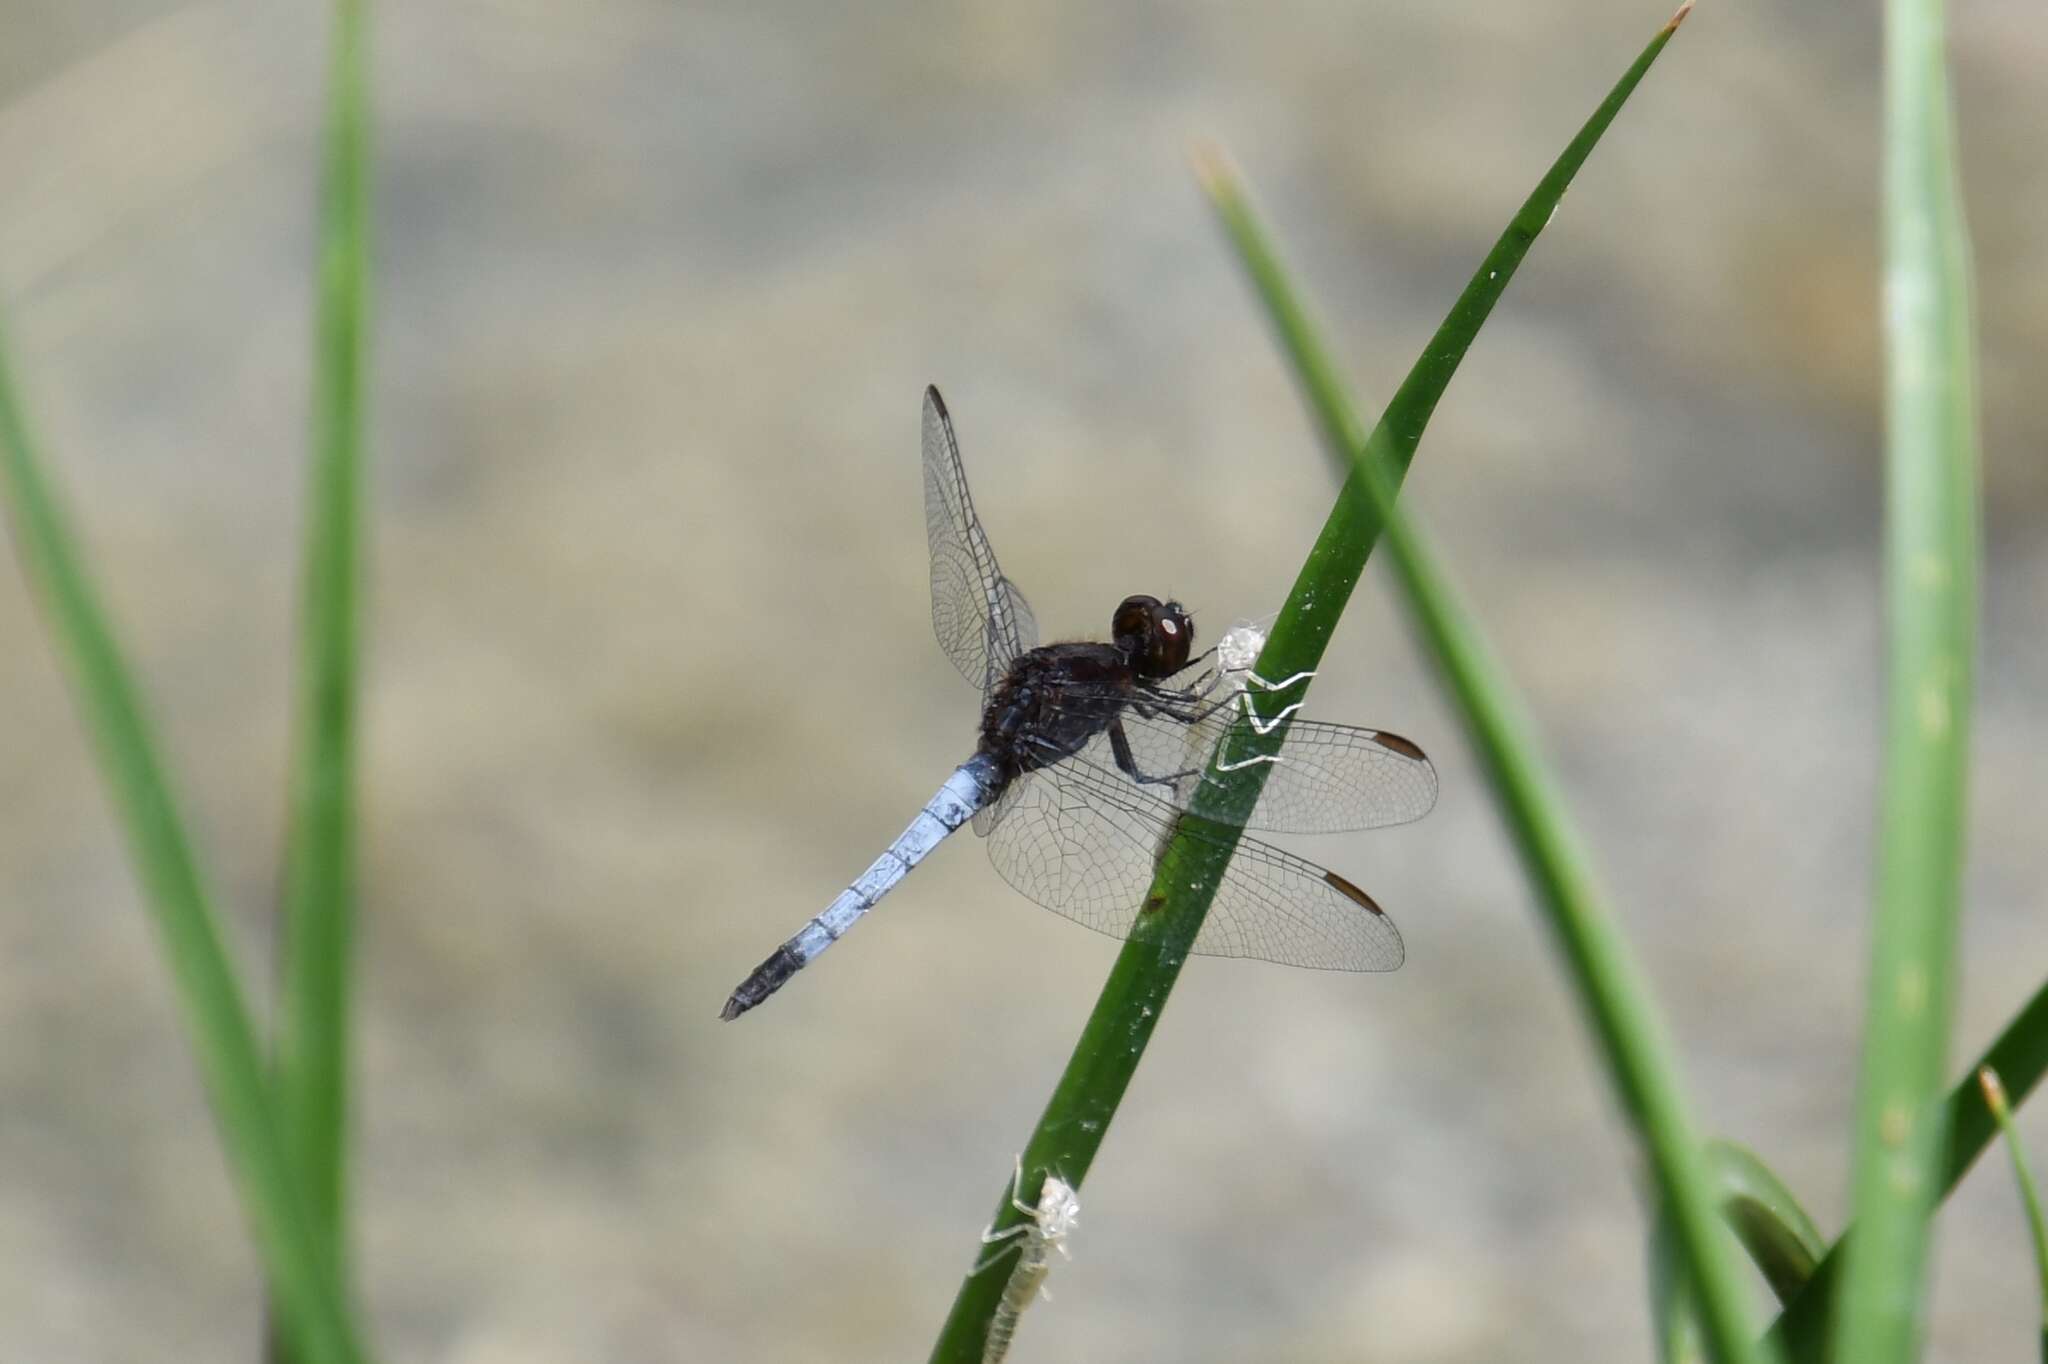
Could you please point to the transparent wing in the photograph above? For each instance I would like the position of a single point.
(1329, 779)
(993, 813)
(1084, 844)
(982, 620)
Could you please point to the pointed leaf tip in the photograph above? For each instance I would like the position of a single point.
(1994, 1092)
(1212, 167)
(1672, 25)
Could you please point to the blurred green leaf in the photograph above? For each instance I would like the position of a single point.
(209, 992)
(1674, 1310)
(2020, 1056)
(320, 853)
(2030, 1197)
(1618, 1004)
(1781, 1239)
(317, 935)
(1930, 618)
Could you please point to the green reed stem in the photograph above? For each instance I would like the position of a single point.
(1930, 618)
(1118, 1030)
(313, 1306)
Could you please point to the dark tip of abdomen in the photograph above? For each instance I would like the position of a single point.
(770, 976)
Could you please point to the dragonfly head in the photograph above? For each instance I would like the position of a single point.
(1156, 636)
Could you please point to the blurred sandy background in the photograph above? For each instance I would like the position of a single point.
(652, 676)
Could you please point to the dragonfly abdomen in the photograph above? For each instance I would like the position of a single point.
(973, 784)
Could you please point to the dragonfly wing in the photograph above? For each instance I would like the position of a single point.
(981, 619)
(1085, 844)
(990, 815)
(1329, 779)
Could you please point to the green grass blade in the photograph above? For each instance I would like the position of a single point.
(1930, 616)
(2030, 1196)
(1781, 1239)
(2020, 1056)
(1624, 1021)
(216, 1012)
(1674, 1311)
(1391, 444)
(1114, 1039)
(320, 856)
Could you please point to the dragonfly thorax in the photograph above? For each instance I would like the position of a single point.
(1052, 701)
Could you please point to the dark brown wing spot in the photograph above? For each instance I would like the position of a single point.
(1352, 893)
(1405, 747)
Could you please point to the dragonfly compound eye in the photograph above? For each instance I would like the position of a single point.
(1131, 628)
(1173, 637)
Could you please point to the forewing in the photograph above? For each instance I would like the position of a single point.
(1329, 779)
(981, 619)
(1085, 844)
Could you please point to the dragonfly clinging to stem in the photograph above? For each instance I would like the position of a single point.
(1090, 752)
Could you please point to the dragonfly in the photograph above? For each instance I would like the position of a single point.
(1089, 753)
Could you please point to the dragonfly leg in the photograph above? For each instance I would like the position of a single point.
(1264, 725)
(1263, 685)
(1120, 749)
(1017, 1187)
(990, 1236)
(1253, 761)
(1009, 1237)
(1190, 708)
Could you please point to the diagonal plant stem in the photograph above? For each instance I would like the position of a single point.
(1930, 628)
(1624, 1019)
(2030, 1194)
(313, 1305)
(1625, 1022)
(1115, 1036)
